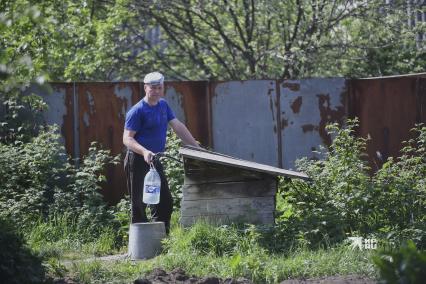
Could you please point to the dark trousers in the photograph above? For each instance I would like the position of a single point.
(136, 168)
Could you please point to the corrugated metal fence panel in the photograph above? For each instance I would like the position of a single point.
(387, 108)
(240, 118)
(189, 101)
(175, 101)
(244, 120)
(60, 102)
(101, 116)
(307, 106)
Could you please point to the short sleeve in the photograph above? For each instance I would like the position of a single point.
(170, 114)
(133, 120)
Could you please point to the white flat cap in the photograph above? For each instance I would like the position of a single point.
(154, 78)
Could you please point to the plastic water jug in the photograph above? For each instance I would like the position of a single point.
(151, 186)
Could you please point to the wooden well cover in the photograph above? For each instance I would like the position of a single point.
(221, 189)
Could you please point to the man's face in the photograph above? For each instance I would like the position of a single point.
(154, 92)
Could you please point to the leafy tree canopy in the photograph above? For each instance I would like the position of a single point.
(221, 39)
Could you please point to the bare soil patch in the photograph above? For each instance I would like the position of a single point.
(179, 276)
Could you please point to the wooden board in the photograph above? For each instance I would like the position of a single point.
(198, 172)
(220, 219)
(257, 188)
(235, 206)
(212, 157)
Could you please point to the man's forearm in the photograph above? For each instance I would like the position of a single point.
(183, 133)
(133, 145)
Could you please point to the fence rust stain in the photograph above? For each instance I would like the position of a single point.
(328, 115)
(284, 123)
(292, 86)
(309, 127)
(295, 106)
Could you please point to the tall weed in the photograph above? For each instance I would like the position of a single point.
(174, 169)
(400, 207)
(30, 173)
(343, 200)
(38, 183)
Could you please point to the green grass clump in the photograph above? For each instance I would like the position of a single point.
(403, 265)
(232, 251)
(18, 263)
(223, 251)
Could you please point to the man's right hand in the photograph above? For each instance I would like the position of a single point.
(148, 155)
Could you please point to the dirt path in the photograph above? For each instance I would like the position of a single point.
(179, 276)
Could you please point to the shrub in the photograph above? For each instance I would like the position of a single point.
(405, 265)
(81, 197)
(36, 181)
(30, 173)
(343, 200)
(174, 169)
(336, 200)
(121, 214)
(23, 114)
(400, 184)
(17, 263)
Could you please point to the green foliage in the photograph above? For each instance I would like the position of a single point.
(30, 173)
(342, 199)
(193, 40)
(174, 169)
(203, 238)
(401, 192)
(238, 251)
(240, 245)
(276, 39)
(18, 264)
(38, 182)
(82, 196)
(121, 214)
(336, 201)
(56, 236)
(404, 265)
(19, 114)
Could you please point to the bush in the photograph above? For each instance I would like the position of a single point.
(400, 207)
(17, 263)
(81, 197)
(336, 201)
(343, 200)
(121, 214)
(174, 169)
(36, 181)
(30, 173)
(405, 265)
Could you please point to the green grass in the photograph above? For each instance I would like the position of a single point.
(204, 250)
(267, 269)
(262, 267)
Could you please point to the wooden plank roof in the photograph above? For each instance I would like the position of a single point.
(213, 157)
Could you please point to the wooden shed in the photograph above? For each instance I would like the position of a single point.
(223, 189)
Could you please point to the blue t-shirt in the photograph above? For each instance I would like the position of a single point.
(150, 124)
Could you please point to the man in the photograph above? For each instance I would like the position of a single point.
(144, 135)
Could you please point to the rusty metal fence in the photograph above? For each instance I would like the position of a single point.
(268, 121)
